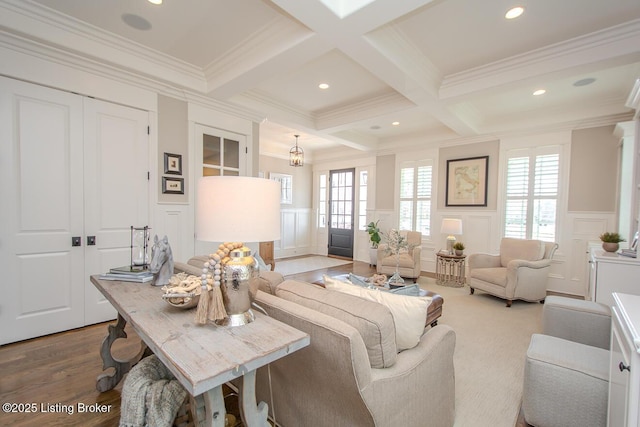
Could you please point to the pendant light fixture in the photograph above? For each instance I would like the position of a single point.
(296, 155)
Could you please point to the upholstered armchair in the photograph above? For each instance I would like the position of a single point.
(408, 261)
(520, 271)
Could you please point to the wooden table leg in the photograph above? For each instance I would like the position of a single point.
(215, 412)
(253, 415)
(109, 381)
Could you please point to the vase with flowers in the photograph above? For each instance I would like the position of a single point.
(396, 242)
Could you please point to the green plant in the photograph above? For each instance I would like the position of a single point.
(459, 246)
(374, 233)
(611, 237)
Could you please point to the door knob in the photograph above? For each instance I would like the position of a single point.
(622, 367)
(91, 240)
(76, 241)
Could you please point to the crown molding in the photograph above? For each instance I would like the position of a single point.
(273, 38)
(91, 66)
(385, 103)
(601, 45)
(633, 101)
(33, 21)
(260, 101)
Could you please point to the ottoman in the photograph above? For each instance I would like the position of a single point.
(566, 383)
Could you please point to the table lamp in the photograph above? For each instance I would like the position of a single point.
(451, 226)
(237, 209)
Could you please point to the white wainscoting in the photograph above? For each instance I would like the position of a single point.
(295, 229)
(175, 221)
(584, 229)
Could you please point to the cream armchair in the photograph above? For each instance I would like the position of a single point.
(520, 271)
(409, 262)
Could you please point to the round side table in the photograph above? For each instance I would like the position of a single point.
(450, 270)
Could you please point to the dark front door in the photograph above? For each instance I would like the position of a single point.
(341, 184)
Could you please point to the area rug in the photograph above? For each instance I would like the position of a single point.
(491, 344)
(287, 267)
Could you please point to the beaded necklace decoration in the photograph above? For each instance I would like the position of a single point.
(211, 304)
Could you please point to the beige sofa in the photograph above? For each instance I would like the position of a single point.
(351, 373)
(332, 381)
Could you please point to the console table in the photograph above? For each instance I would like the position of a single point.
(450, 269)
(202, 358)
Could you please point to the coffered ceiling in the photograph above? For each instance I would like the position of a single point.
(442, 69)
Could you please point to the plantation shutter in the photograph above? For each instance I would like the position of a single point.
(415, 196)
(532, 196)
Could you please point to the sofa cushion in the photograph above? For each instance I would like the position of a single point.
(409, 312)
(529, 250)
(497, 275)
(404, 260)
(372, 320)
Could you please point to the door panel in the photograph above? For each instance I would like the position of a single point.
(41, 165)
(116, 192)
(341, 209)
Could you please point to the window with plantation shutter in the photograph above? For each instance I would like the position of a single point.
(532, 196)
(415, 197)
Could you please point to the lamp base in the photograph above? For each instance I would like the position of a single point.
(237, 319)
(451, 240)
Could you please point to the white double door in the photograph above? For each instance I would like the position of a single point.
(74, 179)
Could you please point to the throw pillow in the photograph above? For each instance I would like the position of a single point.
(409, 312)
(413, 290)
(356, 280)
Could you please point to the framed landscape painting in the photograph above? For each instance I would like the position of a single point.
(467, 181)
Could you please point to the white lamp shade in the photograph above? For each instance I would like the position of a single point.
(237, 209)
(451, 226)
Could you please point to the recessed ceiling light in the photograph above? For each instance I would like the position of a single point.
(539, 92)
(584, 82)
(155, 1)
(375, 127)
(396, 123)
(323, 86)
(514, 12)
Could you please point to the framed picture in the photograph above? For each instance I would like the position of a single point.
(173, 163)
(467, 181)
(172, 185)
(286, 187)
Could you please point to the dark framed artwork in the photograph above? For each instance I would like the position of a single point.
(467, 181)
(172, 185)
(173, 163)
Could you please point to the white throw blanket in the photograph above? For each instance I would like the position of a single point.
(151, 396)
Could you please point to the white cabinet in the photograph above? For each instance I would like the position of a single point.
(610, 273)
(624, 367)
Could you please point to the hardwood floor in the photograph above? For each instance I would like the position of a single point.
(55, 375)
